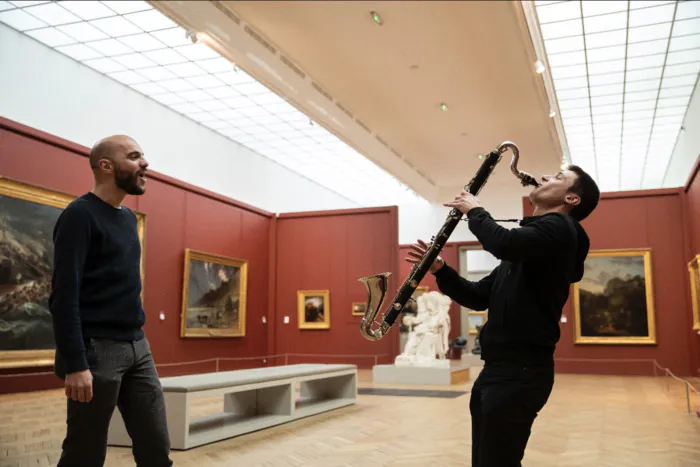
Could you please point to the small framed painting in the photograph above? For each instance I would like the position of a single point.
(314, 309)
(359, 308)
(476, 318)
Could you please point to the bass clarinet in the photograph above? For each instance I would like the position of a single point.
(377, 284)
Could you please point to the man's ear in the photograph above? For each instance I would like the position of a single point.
(572, 199)
(106, 165)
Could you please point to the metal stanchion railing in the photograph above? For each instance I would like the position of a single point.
(689, 388)
(686, 383)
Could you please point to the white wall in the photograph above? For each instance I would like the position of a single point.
(503, 201)
(687, 147)
(44, 89)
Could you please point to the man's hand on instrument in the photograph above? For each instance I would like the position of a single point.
(465, 202)
(417, 253)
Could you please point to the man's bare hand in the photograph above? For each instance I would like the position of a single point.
(418, 251)
(465, 202)
(79, 386)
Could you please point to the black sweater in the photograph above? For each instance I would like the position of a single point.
(96, 283)
(525, 293)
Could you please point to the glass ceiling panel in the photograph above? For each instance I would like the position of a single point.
(141, 48)
(623, 78)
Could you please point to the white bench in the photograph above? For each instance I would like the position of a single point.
(253, 399)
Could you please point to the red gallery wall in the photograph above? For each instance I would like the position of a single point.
(692, 219)
(640, 219)
(327, 250)
(331, 250)
(178, 216)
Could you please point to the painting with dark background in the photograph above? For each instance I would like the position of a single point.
(214, 295)
(26, 258)
(28, 214)
(614, 299)
(314, 309)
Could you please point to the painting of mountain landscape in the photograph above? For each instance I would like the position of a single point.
(26, 254)
(614, 299)
(214, 298)
(27, 216)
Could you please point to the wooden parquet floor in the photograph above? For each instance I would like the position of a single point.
(590, 421)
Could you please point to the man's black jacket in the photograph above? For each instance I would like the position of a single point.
(525, 293)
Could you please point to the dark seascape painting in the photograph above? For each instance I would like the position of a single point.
(314, 309)
(215, 296)
(613, 303)
(26, 258)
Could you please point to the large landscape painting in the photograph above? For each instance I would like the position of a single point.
(614, 302)
(214, 296)
(27, 217)
(694, 270)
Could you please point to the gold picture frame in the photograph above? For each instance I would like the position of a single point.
(694, 272)
(214, 295)
(482, 316)
(26, 234)
(359, 308)
(314, 309)
(420, 290)
(614, 301)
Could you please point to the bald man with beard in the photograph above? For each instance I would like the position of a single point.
(101, 350)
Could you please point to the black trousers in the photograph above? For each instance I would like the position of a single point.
(505, 400)
(124, 376)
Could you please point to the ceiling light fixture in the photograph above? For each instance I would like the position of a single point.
(539, 67)
(443, 106)
(192, 36)
(377, 19)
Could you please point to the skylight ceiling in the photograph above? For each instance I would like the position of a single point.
(624, 72)
(137, 45)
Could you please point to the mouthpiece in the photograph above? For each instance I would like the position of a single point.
(525, 178)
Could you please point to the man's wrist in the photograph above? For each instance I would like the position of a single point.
(474, 210)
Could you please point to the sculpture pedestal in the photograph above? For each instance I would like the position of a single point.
(456, 373)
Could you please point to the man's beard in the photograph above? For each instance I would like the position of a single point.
(128, 182)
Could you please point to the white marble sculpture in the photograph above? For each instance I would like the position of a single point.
(429, 331)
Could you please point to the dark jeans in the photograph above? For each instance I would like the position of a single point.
(124, 376)
(505, 400)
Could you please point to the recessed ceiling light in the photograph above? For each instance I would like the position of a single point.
(377, 19)
(539, 67)
(192, 36)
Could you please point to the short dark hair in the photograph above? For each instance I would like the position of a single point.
(587, 189)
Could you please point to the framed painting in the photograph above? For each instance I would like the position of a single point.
(476, 318)
(213, 296)
(614, 301)
(314, 309)
(359, 308)
(28, 214)
(694, 270)
(420, 290)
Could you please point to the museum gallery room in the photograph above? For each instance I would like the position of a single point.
(341, 233)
